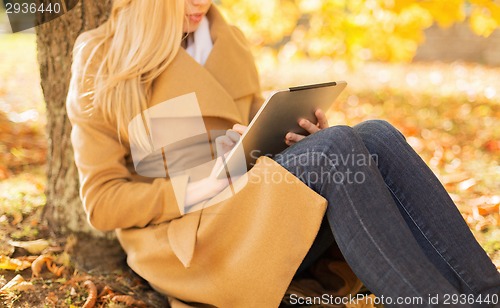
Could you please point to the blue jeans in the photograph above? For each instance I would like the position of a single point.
(392, 219)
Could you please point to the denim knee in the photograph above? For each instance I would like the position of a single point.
(337, 139)
(379, 128)
(341, 137)
(334, 133)
(380, 137)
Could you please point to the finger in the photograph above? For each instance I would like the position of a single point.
(293, 138)
(308, 126)
(241, 129)
(322, 119)
(289, 143)
(233, 135)
(224, 140)
(223, 144)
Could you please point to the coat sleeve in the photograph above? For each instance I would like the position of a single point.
(111, 198)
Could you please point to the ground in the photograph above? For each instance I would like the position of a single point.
(448, 112)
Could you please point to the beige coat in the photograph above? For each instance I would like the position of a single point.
(239, 252)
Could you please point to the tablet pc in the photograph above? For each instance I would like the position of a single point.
(278, 115)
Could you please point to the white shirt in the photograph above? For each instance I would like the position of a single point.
(199, 44)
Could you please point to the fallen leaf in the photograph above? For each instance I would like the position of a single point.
(128, 300)
(466, 184)
(487, 209)
(92, 297)
(17, 284)
(23, 286)
(454, 178)
(54, 269)
(33, 247)
(37, 265)
(30, 259)
(492, 146)
(6, 249)
(52, 298)
(7, 263)
(16, 280)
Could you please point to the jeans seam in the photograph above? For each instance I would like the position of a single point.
(398, 133)
(428, 240)
(370, 236)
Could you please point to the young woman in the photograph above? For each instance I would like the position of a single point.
(141, 84)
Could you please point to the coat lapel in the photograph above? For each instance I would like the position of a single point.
(231, 61)
(229, 73)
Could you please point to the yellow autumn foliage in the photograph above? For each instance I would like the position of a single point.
(354, 30)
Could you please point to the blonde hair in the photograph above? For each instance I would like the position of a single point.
(137, 43)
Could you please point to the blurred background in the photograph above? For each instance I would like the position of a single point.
(429, 67)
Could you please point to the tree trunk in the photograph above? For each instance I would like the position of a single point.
(55, 39)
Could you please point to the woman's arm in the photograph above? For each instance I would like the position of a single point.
(210, 186)
(111, 198)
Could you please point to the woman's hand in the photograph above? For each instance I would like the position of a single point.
(205, 188)
(225, 143)
(241, 129)
(292, 138)
(210, 186)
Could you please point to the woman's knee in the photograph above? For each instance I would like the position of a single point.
(338, 136)
(339, 139)
(379, 136)
(378, 128)
(325, 141)
(337, 132)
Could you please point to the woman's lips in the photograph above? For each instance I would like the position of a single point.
(195, 18)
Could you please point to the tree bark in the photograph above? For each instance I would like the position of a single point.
(55, 39)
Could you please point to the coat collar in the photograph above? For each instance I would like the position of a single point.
(229, 73)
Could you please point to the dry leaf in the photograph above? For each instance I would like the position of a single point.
(128, 300)
(92, 297)
(16, 284)
(16, 280)
(22, 286)
(37, 265)
(487, 209)
(466, 184)
(7, 263)
(57, 271)
(30, 259)
(52, 298)
(33, 247)
(6, 249)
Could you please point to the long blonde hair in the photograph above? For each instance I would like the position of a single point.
(137, 43)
